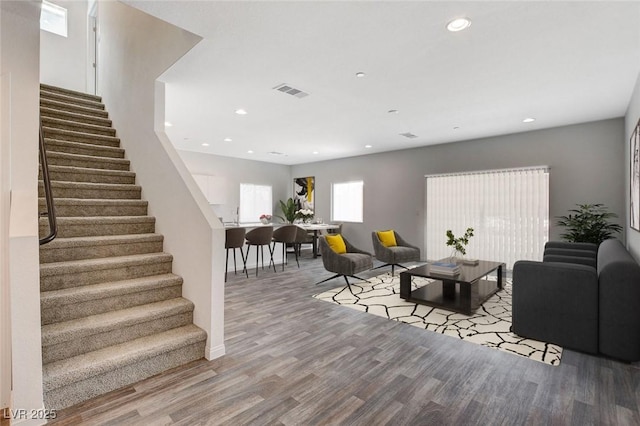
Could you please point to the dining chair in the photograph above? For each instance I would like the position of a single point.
(286, 235)
(234, 239)
(260, 237)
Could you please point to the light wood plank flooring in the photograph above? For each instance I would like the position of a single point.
(294, 360)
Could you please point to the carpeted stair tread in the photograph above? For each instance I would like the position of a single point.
(78, 109)
(76, 136)
(80, 328)
(87, 161)
(82, 148)
(58, 275)
(74, 117)
(75, 207)
(64, 372)
(86, 226)
(56, 304)
(72, 93)
(84, 190)
(84, 174)
(94, 129)
(71, 99)
(102, 246)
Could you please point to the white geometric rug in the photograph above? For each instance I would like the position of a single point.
(489, 326)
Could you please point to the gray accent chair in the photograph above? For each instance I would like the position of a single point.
(403, 252)
(234, 239)
(346, 264)
(578, 306)
(286, 235)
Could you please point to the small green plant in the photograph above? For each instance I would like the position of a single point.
(589, 223)
(459, 244)
(289, 211)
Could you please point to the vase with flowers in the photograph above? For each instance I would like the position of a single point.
(305, 215)
(459, 245)
(265, 218)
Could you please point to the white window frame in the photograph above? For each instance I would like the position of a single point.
(347, 201)
(53, 18)
(255, 200)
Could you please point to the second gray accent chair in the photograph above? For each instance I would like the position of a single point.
(402, 252)
(346, 264)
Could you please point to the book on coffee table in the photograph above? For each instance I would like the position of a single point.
(445, 268)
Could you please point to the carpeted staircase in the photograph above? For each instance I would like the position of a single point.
(112, 311)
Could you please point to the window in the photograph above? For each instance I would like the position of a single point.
(255, 200)
(347, 201)
(53, 18)
(508, 210)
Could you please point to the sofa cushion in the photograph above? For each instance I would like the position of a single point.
(404, 254)
(336, 243)
(359, 262)
(387, 238)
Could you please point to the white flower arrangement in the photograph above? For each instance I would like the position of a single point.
(304, 214)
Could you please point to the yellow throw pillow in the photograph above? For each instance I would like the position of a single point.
(387, 238)
(336, 243)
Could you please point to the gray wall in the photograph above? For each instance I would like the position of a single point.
(237, 171)
(586, 167)
(631, 119)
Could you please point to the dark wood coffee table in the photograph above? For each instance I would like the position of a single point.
(463, 292)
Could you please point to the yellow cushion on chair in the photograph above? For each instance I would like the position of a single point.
(387, 238)
(336, 243)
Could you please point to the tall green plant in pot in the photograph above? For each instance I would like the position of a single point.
(289, 210)
(589, 223)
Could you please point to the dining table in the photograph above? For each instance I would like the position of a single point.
(316, 228)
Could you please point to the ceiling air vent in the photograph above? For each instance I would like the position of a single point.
(275, 153)
(408, 135)
(285, 88)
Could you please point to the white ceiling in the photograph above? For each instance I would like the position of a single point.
(560, 62)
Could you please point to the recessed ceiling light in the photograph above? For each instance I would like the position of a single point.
(168, 124)
(228, 139)
(250, 152)
(241, 112)
(367, 146)
(459, 24)
(393, 111)
(205, 144)
(529, 120)
(360, 74)
(315, 152)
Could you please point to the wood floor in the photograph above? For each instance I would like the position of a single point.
(294, 360)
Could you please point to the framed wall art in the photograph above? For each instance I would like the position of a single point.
(634, 178)
(304, 193)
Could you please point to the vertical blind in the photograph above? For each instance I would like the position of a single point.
(508, 210)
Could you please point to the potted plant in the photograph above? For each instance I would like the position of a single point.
(589, 223)
(459, 244)
(289, 211)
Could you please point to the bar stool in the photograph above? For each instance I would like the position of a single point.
(286, 235)
(260, 237)
(234, 239)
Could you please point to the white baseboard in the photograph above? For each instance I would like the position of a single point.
(215, 352)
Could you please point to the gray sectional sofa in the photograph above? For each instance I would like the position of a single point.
(581, 298)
